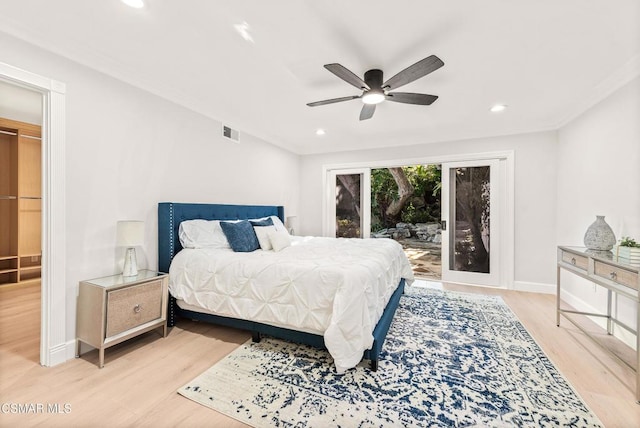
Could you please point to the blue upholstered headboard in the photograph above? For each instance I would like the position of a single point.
(171, 214)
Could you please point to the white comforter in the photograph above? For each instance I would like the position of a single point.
(337, 288)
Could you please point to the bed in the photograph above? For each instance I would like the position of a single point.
(269, 292)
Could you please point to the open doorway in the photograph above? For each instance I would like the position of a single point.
(406, 207)
(21, 118)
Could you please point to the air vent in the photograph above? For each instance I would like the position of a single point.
(230, 133)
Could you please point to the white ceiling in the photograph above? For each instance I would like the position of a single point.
(548, 60)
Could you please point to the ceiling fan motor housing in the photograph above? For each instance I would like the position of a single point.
(373, 78)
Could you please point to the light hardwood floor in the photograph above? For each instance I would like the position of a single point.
(137, 386)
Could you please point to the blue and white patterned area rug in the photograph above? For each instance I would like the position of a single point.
(450, 360)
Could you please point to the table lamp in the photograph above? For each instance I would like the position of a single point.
(291, 224)
(130, 234)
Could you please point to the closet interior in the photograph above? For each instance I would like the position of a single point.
(20, 202)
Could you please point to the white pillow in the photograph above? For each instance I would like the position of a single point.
(202, 234)
(277, 223)
(262, 232)
(279, 240)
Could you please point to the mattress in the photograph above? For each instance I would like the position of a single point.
(337, 288)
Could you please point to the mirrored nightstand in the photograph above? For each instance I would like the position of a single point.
(116, 308)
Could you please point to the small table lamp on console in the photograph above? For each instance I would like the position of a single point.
(130, 234)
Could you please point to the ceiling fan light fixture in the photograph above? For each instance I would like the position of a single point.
(373, 97)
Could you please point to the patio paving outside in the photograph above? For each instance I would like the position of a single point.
(425, 258)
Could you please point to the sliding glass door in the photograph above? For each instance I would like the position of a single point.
(470, 219)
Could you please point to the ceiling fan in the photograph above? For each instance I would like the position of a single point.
(374, 91)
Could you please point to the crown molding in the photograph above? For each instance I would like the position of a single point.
(625, 74)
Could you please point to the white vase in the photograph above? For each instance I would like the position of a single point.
(599, 235)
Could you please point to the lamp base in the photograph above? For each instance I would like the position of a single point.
(130, 263)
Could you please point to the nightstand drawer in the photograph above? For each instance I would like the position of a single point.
(575, 260)
(133, 306)
(616, 274)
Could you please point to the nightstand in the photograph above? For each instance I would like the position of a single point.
(116, 308)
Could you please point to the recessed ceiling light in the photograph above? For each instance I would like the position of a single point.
(320, 131)
(498, 108)
(243, 30)
(138, 4)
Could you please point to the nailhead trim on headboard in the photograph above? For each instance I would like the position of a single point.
(171, 241)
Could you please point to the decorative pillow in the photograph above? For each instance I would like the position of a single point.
(202, 234)
(279, 240)
(241, 236)
(262, 232)
(262, 222)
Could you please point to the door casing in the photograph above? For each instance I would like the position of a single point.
(54, 348)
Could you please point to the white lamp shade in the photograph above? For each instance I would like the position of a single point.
(291, 223)
(130, 233)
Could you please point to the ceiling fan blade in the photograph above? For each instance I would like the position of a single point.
(410, 98)
(367, 111)
(346, 75)
(333, 100)
(414, 72)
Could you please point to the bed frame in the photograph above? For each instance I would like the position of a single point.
(171, 214)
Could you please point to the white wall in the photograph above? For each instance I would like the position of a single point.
(535, 199)
(127, 150)
(17, 103)
(599, 174)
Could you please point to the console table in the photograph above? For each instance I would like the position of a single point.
(613, 273)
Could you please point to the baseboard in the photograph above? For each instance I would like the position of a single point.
(534, 287)
(71, 349)
(626, 337)
(61, 353)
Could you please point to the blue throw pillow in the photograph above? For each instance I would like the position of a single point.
(265, 222)
(241, 236)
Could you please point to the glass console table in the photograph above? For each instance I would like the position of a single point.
(617, 276)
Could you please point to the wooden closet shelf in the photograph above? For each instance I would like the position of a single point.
(20, 201)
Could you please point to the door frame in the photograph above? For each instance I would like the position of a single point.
(507, 175)
(53, 346)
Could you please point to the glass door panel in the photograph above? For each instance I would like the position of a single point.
(470, 213)
(470, 227)
(349, 210)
